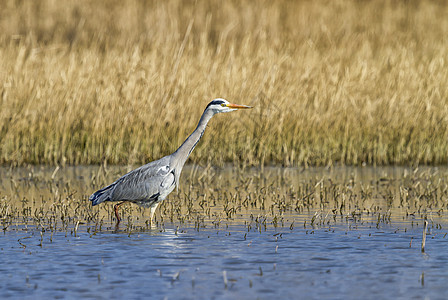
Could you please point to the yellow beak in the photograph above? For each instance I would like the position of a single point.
(238, 106)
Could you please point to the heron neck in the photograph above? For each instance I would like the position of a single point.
(181, 154)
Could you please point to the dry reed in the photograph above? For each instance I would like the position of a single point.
(349, 82)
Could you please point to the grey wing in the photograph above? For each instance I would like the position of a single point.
(145, 183)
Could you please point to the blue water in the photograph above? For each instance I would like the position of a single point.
(364, 255)
(321, 263)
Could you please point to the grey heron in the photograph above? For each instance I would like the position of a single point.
(150, 184)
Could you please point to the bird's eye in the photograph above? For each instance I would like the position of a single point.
(223, 104)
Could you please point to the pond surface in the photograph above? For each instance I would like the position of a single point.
(228, 234)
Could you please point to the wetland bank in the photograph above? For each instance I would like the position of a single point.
(229, 232)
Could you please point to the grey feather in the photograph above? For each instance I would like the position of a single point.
(149, 183)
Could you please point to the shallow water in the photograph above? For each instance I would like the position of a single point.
(338, 233)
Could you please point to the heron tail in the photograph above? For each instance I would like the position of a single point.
(101, 195)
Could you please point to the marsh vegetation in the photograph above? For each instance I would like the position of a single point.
(347, 82)
(43, 197)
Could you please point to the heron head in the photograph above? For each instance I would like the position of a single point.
(220, 105)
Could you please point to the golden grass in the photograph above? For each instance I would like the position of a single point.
(347, 82)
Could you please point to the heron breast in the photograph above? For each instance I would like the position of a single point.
(167, 185)
(168, 181)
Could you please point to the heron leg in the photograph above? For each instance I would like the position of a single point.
(153, 210)
(116, 206)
